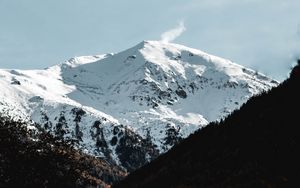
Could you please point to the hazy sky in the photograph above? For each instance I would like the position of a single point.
(260, 34)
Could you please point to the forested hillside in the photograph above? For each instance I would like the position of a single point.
(28, 159)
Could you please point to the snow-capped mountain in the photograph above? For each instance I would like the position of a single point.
(131, 106)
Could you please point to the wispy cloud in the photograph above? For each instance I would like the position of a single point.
(172, 34)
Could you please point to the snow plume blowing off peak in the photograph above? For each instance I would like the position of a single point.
(172, 34)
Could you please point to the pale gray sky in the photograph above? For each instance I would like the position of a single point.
(260, 34)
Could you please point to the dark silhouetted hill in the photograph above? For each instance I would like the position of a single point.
(30, 160)
(256, 146)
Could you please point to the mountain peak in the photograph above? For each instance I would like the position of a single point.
(153, 95)
(165, 54)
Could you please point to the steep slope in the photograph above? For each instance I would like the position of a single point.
(28, 159)
(131, 106)
(256, 146)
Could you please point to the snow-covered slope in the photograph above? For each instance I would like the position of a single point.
(130, 106)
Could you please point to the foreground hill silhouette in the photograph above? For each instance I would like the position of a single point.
(256, 146)
(40, 160)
